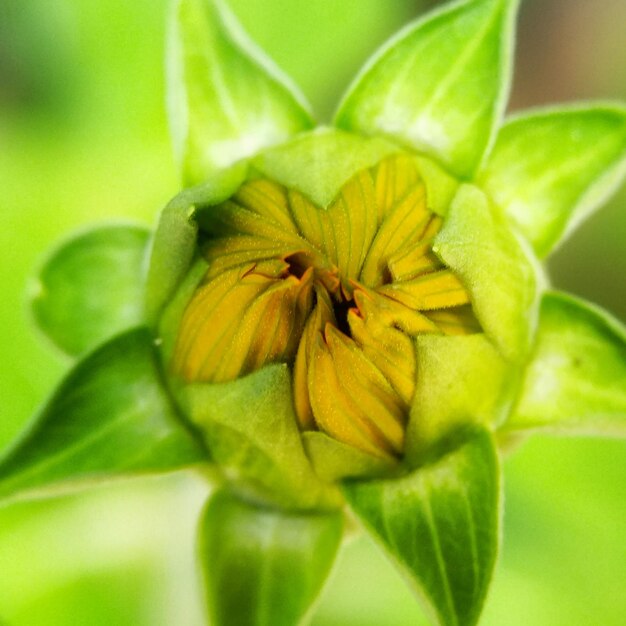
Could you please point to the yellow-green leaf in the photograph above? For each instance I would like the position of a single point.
(440, 85)
(550, 169)
(227, 101)
(575, 382)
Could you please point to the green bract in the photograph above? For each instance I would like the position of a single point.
(501, 357)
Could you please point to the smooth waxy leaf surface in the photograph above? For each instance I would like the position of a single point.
(109, 417)
(478, 245)
(550, 169)
(440, 525)
(576, 380)
(264, 567)
(91, 287)
(440, 85)
(250, 428)
(226, 100)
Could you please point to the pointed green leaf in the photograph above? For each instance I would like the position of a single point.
(91, 287)
(226, 100)
(250, 428)
(440, 525)
(175, 241)
(478, 244)
(550, 169)
(440, 85)
(264, 567)
(111, 416)
(334, 460)
(318, 164)
(575, 382)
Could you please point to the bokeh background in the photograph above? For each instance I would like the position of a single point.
(83, 138)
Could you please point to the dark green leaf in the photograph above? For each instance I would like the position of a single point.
(264, 567)
(91, 287)
(111, 416)
(440, 525)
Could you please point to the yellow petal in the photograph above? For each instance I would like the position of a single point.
(231, 219)
(390, 350)
(403, 226)
(269, 200)
(353, 218)
(437, 290)
(394, 177)
(374, 396)
(457, 321)
(238, 322)
(316, 229)
(322, 314)
(376, 307)
(336, 412)
(413, 261)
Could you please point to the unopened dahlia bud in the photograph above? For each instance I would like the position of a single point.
(338, 293)
(352, 317)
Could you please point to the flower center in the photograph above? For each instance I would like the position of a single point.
(339, 293)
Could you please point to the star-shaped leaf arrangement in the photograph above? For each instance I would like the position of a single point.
(341, 318)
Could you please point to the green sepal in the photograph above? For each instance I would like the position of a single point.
(551, 168)
(440, 85)
(169, 322)
(250, 427)
(175, 241)
(110, 417)
(462, 380)
(91, 286)
(440, 525)
(575, 382)
(226, 100)
(261, 566)
(319, 163)
(334, 460)
(441, 187)
(477, 243)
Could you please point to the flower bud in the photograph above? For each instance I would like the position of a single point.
(339, 293)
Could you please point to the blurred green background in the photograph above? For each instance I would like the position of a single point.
(83, 138)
